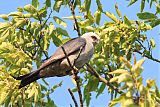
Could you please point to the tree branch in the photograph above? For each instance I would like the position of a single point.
(147, 56)
(95, 73)
(74, 16)
(73, 98)
(75, 72)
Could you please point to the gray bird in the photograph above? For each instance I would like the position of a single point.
(57, 64)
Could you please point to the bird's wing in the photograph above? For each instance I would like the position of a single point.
(70, 47)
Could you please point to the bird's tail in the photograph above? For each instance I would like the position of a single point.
(28, 78)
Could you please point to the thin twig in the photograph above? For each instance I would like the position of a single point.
(147, 56)
(73, 98)
(49, 16)
(74, 16)
(23, 103)
(95, 73)
(74, 72)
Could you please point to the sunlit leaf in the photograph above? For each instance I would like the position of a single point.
(62, 31)
(111, 16)
(72, 18)
(29, 8)
(118, 11)
(97, 16)
(152, 43)
(57, 5)
(124, 77)
(85, 23)
(118, 71)
(56, 40)
(127, 63)
(59, 21)
(35, 3)
(4, 16)
(15, 14)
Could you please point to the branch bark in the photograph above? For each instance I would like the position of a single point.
(75, 72)
(147, 56)
(95, 73)
(74, 16)
(73, 98)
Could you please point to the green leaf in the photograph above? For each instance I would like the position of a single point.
(15, 14)
(51, 28)
(20, 23)
(59, 21)
(4, 16)
(142, 5)
(72, 18)
(57, 5)
(85, 23)
(152, 43)
(87, 5)
(99, 5)
(87, 96)
(30, 9)
(35, 3)
(4, 25)
(101, 89)
(97, 16)
(111, 16)
(127, 21)
(56, 40)
(132, 2)
(127, 63)
(118, 11)
(48, 3)
(25, 70)
(118, 71)
(155, 23)
(125, 77)
(62, 31)
(45, 82)
(146, 16)
(20, 9)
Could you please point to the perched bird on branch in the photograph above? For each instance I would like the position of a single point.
(79, 51)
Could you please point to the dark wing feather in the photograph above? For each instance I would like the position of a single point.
(70, 47)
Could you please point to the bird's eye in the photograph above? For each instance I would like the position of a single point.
(94, 38)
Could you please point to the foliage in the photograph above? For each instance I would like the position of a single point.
(26, 35)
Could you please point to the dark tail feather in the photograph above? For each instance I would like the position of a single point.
(28, 78)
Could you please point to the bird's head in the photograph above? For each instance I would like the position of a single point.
(94, 38)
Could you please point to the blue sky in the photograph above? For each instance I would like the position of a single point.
(61, 95)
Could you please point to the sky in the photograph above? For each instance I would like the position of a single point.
(61, 95)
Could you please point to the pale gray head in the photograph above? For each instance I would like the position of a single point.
(93, 37)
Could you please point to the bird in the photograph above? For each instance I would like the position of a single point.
(58, 65)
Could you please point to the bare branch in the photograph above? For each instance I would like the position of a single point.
(147, 56)
(95, 73)
(74, 72)
(74, 16)
(73, 98)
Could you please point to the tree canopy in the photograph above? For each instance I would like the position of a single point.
(27, 34)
